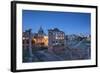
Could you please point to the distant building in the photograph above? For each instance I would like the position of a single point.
(56, 40)
(40, 39)
(89, 37)
(72, 37)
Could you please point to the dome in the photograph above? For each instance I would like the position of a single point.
(41, 32)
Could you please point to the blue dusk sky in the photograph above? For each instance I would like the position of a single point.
(69, 22)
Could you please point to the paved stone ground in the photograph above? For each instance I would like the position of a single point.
(77, 50)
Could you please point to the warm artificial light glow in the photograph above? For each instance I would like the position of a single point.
(40, 40)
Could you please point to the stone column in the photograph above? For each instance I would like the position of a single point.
(30, 45)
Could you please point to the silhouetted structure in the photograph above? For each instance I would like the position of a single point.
(27, 45)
